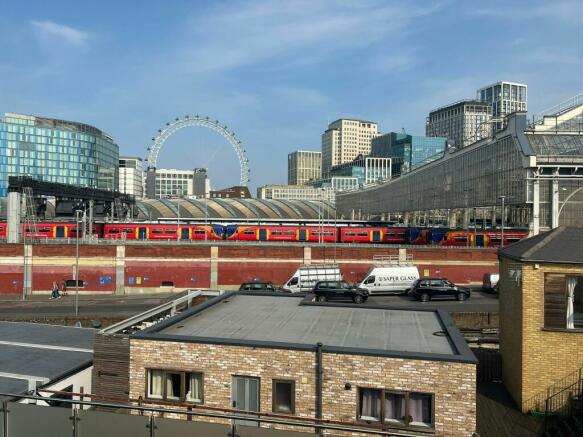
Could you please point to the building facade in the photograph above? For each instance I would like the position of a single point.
(303, 166)
(407, 152)
(344, 140)
(166, 183)
(504, 98)
(368, 170)
(462, 123)
(541, 320)
(237, 192)
(415, 382)
(56, 151)
(297, 192)
(537, 170)
(131, 176)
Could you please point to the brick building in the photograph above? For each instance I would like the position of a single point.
(283, 354)
(541, 317)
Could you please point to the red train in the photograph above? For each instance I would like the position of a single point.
(289, 233)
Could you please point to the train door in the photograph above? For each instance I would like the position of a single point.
(184, 234)
(376, 236)
(263, 234)
(303, 235)
(60, 232)
(142, 233)
(480, 240)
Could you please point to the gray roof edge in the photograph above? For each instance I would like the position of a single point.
(463, 353)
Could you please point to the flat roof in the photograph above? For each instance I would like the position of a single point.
(44, 353)
(294, 322)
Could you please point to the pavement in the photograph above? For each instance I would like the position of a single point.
(88, 305)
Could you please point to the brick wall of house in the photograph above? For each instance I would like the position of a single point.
(453, 384)
(547, 356)
(533, 359)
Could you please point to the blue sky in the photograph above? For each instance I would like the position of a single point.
(275, 72)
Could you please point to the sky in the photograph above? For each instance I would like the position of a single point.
(275, 72)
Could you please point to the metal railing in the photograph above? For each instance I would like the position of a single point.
(555, 400)
(147, 420)
(557, 109)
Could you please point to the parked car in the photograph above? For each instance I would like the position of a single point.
(490, 281)
(438, 288)
(339, 290)
(257, 286)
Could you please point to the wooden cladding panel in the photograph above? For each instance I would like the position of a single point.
(111, 366)
(555, 300)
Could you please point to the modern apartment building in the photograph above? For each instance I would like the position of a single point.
(166, 183)
(407, 152)
(462, 123)
(303, 166)
(344, 140)
(54, 150)
(504, 98)
(131, 176)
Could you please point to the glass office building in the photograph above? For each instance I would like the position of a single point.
(407, 152)
(56, 151)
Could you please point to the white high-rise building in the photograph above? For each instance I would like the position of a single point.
(168, 183)
(344, 140)
(131, 176)
(303, 166)
(505, 98)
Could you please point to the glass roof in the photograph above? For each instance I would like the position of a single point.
(556, 145)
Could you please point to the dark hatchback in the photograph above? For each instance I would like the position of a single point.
(258, 286)
(339, 290)
(438, 288)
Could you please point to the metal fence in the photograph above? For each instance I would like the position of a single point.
(97, 419)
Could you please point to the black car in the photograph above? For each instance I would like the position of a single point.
(438, 288)
(339, 290)
(257, 286)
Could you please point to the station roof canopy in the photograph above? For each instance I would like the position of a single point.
(41, 354)
(221, 208)
(293, 322)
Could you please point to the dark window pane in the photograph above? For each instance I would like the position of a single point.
(369, 405)
(283, 397)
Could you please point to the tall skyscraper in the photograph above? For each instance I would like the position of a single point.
(344, 140)
(462, 123)
(505, 98)
(303, 166)
(131, 176)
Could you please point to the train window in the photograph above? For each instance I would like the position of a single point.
(350, 234)
(157, 231)
(170, 231)
(199, 232)
(113, 230)
(328, 233)
(276, 233)
(1, 228)
(127, 230)
(461, 239)
(315, 232)
(289, 233)
(363, 234)
(249, 232)
(513, 239)
(44, 229)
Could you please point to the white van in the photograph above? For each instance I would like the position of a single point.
(390, 279)
(304, 279)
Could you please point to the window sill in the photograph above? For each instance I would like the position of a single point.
(565, 330)
(397, 426)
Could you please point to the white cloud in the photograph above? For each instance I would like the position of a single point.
(49, 29)
(257, 32)
(565, 11)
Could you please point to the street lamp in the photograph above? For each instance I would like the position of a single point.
(503, 198)
(77, 262)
